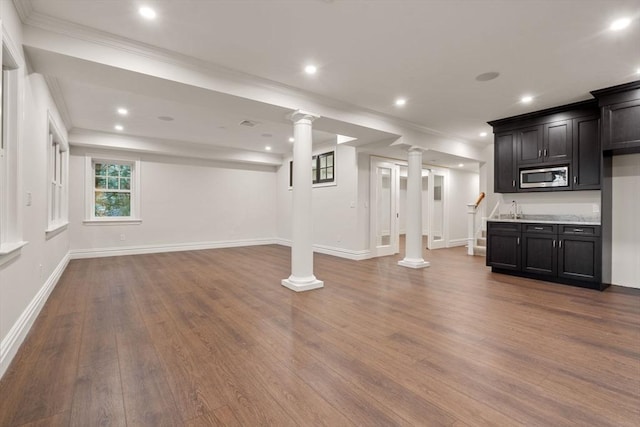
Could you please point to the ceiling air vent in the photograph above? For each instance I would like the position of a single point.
(248, 123)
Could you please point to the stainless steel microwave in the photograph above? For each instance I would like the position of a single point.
(557, 176)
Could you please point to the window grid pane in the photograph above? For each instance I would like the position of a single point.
(116, 178)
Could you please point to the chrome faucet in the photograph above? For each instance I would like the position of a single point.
(514, 210)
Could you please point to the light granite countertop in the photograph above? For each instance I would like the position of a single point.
(550, 219)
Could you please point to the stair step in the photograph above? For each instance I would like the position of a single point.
(480, 250)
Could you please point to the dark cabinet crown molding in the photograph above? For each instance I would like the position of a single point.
(623, 92)
(563, 112)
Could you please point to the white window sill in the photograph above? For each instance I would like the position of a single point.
(54, 230)
(322, 184)
(8, 251)
(112, 221)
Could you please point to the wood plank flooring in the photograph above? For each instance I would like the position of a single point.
(212, 338)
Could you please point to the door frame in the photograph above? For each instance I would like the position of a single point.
(394, 232)
(444, 242)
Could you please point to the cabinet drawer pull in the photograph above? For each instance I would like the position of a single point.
(538, 228)
(578, 230)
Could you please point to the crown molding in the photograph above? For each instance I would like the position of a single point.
(90, 35)
(24, 9)
(58, 99)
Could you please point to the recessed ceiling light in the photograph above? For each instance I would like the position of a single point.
(147, 13)
(118, 127)
(268, 148)
(526, 99)
(310, 69)
(460, 165)
(400, 102)
(165, 118)
(483, 134)
(620, 24)
(123, 111)
(267, 135)
(291, 139)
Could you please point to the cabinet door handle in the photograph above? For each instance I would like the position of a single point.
(518, 241)
(560, 243)
(539, 153)
(575, 179)
(545, 152)
(513, 183)
(554, 243)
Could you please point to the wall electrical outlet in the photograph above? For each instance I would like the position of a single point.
(596, 208)
(28, 199)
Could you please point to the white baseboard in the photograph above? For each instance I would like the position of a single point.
(12, 341)
(457, 242)
(333, 251)
(176, 247)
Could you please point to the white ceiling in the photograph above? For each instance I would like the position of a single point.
(191, 122)
(368, 53)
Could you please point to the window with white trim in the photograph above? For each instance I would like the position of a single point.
(112, 189)
(58, 173)
(322, 169)
(10, 205)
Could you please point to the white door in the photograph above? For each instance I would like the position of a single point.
(437, 209)
(385, 184)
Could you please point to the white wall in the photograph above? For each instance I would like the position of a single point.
(363, 214)
(183, 202)
(464, 187)
(486, 182)
(583, 203)
(335, 207)
(625, 244)
(25, 279)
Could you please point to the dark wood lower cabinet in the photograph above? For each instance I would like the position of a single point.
(559, 253)
(503, 243)
(539, 254)
(580, 258)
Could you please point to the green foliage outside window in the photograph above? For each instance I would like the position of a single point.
(112, 190)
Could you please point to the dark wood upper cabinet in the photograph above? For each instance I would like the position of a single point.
(529, 143)
(620, 113)
(566, 135)
(587, 156)
(558, 144)
(548, 143)
(505, 173)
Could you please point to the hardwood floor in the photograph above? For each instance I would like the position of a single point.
(212, 338)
